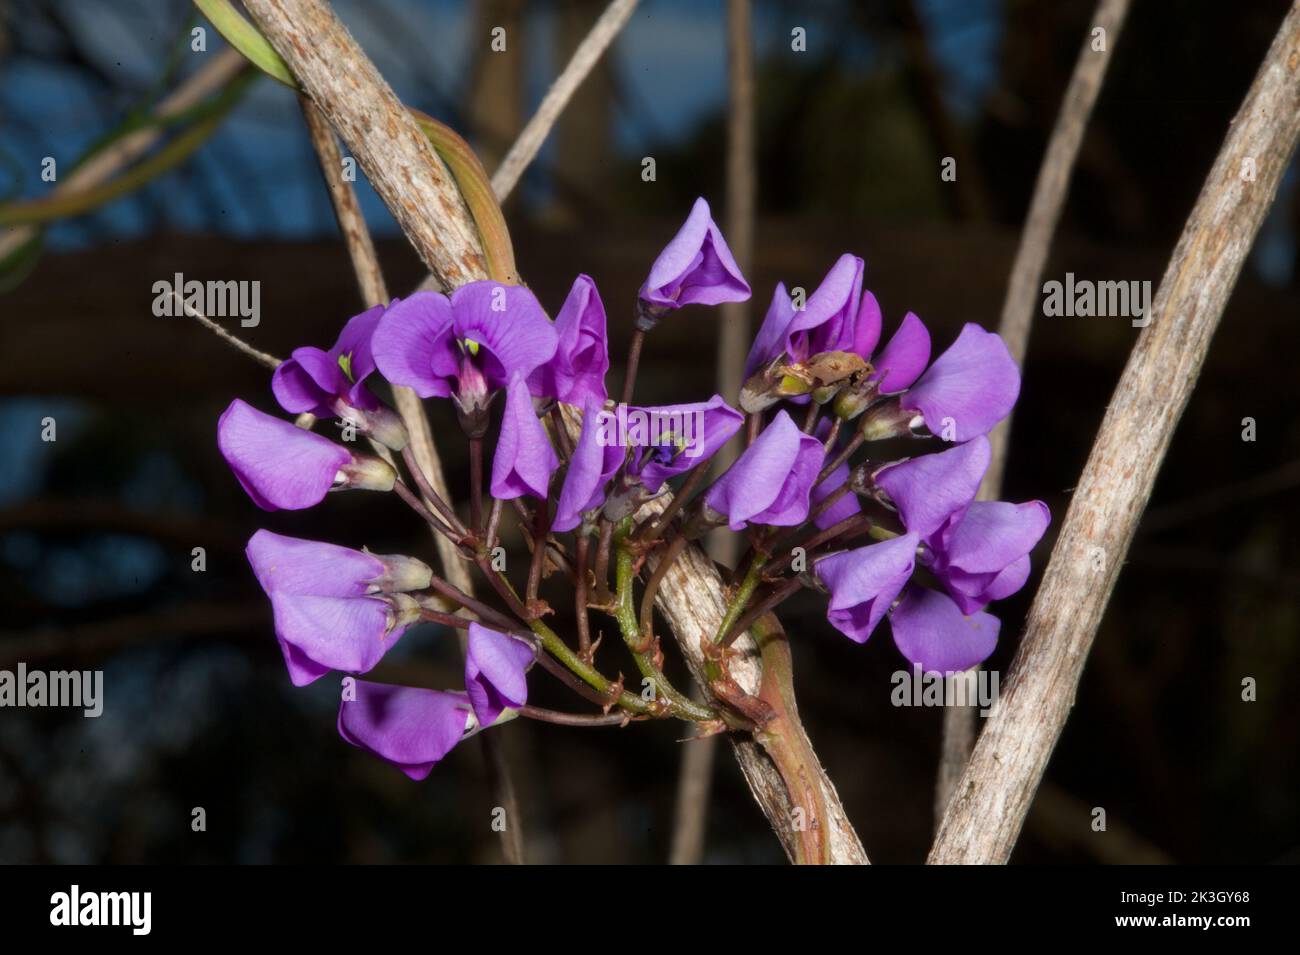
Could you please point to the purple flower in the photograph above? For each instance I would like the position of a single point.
(770, 482)
(969, 388)
(590, 468)
(411, 728)
(696, 267)
(524, 460)
(829, 321)
(982, 554)
(283, 466)
(675, 437)
(904, 358)
(933, 633)
(466, 346)
(327, 614)
(577, 372)
(496, 665)
(864, 583)
(929, 489)
(313, 381)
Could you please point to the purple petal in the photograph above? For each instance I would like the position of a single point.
(524, 460)
(770, 482)
(309, 382)
(594, 462)
(993, 534)
(413, 344)
(905, 357)
(411, 728)
(577, 372)
(864, 582)
(695, 267)
(698, 429)
(338, 633)
(771, 337)
(826, 322)
(355, 341)
(509, 323)
(930, 630)
(866, 327)
(292, 565)
(496, 667)
(973, 592)
(972, 386)
(930, 489)
(279, 465)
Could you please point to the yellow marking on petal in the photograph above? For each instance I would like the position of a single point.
(345, 363)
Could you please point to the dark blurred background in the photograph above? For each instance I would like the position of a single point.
(97, 528)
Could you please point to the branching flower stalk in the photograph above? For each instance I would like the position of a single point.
(817, 390)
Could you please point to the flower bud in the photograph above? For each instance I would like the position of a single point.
(381, 423)
(401, 573)
(367, 473)
(890, 419)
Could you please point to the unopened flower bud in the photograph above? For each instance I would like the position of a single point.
(401, 573)
(381, 423)
(366, 473)
(890, 419)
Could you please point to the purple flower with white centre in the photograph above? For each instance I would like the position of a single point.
(771, 481)
(864, 583)
(496, 668)
(668, 440)
(328, 615)
(933, 633)
(969, 388)
(577, 371)
(283, 466)
(835, 318)
(929, 489)
(524, 460)
(903, 359)
(982, 554)
(591, 467)
(695, 267)
(410, 727)
(464, 347)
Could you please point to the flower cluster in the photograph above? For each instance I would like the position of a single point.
(904, 540)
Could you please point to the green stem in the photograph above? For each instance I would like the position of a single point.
(625, 612)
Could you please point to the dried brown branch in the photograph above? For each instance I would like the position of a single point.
(374, 291)
(1050, 191)
(696, 772)
(988, 809)
(589, 51)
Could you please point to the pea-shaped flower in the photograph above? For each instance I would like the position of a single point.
(771, 481)
(696, 267)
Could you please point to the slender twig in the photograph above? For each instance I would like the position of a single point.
(476, 484)
(270, 361)
(576, 719)
(633, 361)
(584, 58)
(583, 548)
(541, 527)
(652, 585)
(770, 602)
(1024, 725)
(430, 494)
(1050, 191)
(651, 530)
